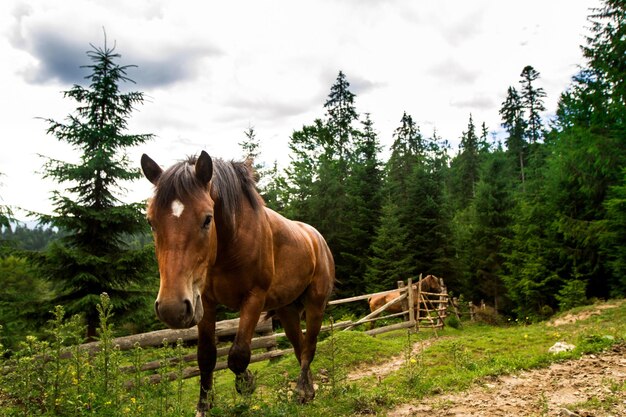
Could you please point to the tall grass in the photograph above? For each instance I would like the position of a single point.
(53, 377)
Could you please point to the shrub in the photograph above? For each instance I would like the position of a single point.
(573, 294)
(453, 321)
(488, 315)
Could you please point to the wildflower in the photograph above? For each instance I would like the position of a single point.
(133, 400)
(255, 407)
(126, 410)
(413, 360)
(525, 336)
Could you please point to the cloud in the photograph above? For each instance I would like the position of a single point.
(451, 71)
(182, 63)
(477, 102)
(360, 85)
(464, 28)
(262, 107)
(58, 48)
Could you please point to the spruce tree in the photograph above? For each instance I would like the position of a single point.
(363, 193)
(93, 257)
(407, 147)
(532, 101)
(340, 116)
(614, 238)
(513, 122)
(390, 260)
(250, 147)
(491, 211)
(6, 214)
(465, 167)
(306, 147)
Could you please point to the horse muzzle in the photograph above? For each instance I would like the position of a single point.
(179, 314)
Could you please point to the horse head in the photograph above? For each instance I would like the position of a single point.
(180, 214)
(432, 284)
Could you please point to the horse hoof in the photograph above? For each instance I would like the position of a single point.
(305, 394)
(245, 383)
(304, 388)
(200, 413)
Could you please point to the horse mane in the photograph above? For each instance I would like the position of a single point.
(232, 184)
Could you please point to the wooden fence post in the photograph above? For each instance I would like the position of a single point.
(418, 303)
(455, 307)
(410, 297)
(442, 310)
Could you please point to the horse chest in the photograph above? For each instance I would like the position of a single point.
(232, 288)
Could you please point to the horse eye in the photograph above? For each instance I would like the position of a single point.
(207, 221)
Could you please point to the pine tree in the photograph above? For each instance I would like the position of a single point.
(274, 189)
(491, 211)
(6, 214)
(306, 147)
(465, 167)
(513, 122)
(408, 145)
(606, 54)
(614, 238)
(93, 257)
(565, 230)
(363, 192)
(340, 116)
(390, 259)
(532, 101)
(250, 147)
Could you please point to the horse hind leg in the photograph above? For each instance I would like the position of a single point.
(289, 317)
(314, 317)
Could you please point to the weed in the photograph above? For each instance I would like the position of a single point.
(335, 374)
(542, 404)
(413, 363)
(461, 357)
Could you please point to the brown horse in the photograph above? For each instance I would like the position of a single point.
(217, 243)
(430, 284)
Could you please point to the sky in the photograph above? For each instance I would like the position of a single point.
(210, 70)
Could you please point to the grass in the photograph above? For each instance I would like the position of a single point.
(453, 362)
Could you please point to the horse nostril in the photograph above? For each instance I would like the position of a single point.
(188, 308)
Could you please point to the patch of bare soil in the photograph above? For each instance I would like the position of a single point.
(589, 386)
(381, 370)
(583, 315)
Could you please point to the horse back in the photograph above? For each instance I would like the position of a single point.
(302, 260)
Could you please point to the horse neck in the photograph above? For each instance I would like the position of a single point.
(230, 230)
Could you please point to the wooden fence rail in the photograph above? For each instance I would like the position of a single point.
(426, 312)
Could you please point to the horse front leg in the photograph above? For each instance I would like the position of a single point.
(239, 353)
(207, 356)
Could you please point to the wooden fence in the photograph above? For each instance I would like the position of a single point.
(429, 311)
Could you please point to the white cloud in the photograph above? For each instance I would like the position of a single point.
(209, 69)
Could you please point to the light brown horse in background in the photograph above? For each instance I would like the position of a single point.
(430, 284)
(217, 243)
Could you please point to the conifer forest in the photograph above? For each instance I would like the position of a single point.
(531, 221)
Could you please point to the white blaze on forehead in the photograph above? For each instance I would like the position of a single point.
(177, 208)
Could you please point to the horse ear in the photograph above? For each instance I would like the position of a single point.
(151, 169)
(204, 168)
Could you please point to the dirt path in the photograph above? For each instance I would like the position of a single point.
(590, 386)
(381, 370)
(594, 385)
